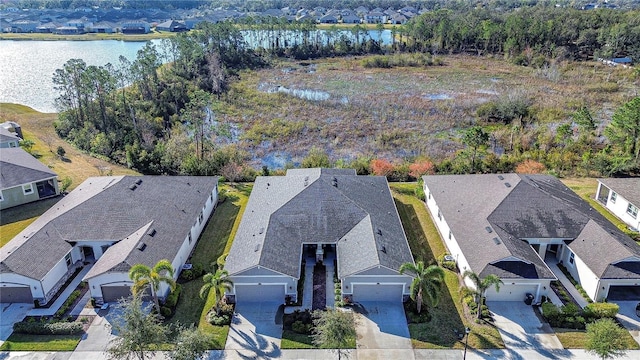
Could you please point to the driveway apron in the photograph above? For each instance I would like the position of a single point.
(520, 328)
(255, 331)
(9, 315)
(382, 326)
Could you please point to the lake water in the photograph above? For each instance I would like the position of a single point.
(27, 67)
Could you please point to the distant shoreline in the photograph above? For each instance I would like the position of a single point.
(85, 37)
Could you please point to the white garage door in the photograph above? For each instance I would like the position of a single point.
(260, 293)
(510, 292)
(374, 292)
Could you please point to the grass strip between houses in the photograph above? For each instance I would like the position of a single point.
(214, 241)
(449, 316)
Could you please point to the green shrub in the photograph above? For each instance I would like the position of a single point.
(218, 320)
(601, 310)
(226, 309)
(166, 311)
(300, 327)
(67, 303)
(48, 328)
(419, 193)
(172, 299)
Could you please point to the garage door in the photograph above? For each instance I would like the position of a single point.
(511, 292)
(115, 293)
(624, 293)
(260, 293)
(374, 292)
(15, 294)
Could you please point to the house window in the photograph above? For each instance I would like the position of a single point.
(614, 196)
(201, 217)
(571, 258)
(439, 215)
(190, 238)
(67, 259)
(27, 189)
(1, 197)
(429, 195)
(449, 234)
(632, 210)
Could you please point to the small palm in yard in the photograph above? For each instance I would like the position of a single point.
(219, 282)
(481, 287)
(144, 276)
(425, 286)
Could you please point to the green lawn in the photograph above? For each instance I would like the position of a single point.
(293, 340)
(449, 316)
(216, 239)
(15, 219)
(577, 339)
(24, 342)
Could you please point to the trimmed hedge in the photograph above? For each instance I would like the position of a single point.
(172, 298)
(46, 328)
(601, 310)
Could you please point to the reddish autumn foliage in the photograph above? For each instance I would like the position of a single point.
(382, 167)
(530, 167)
(421, 167)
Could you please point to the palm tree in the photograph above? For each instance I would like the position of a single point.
(144, 276)
(481, 287)
(219, 282)
(426, 284)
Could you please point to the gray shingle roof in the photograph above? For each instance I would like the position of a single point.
(628, 188)
(6, 135)
(106, 209)
(530, 207)
(18, 167)
(319, 206)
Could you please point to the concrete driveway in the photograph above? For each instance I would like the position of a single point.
(9, 315)
(628, 318)
(382, 325)
(256, 330)
(520, 328)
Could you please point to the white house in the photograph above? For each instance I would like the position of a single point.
(110, 223)
(318, 212)
(510, 224)
(621, 196)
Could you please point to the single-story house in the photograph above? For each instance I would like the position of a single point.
(351, 19)
(328, 19)
(24, 179)
(316, 212)
(110, 223)
(621, 196)
(511, 225)
(8, 139)
(134, 27)
(172, 26)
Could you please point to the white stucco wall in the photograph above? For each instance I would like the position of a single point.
(107, 279)
(55, 274)
(347, 282)
(444, 230)
(605, 284)
(581, 273)
(11, 279)
(619, 208)
(291, 284)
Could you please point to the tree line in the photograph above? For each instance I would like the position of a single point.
(157, 113)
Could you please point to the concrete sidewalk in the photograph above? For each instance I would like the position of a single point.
(553, 265)
(418, 354)
(51, 310)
